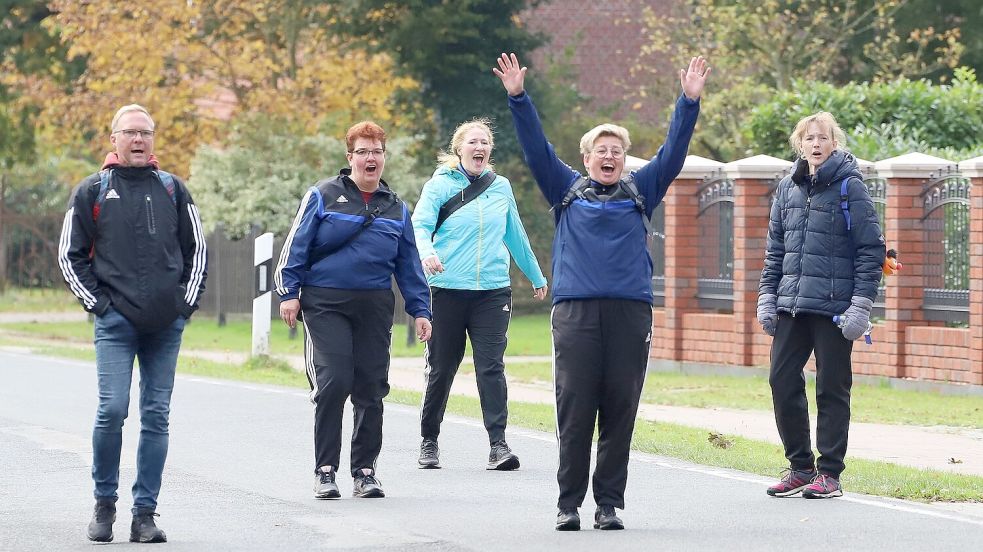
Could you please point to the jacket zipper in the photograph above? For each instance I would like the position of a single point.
(832, 260)
(481, 232)
(151, 221)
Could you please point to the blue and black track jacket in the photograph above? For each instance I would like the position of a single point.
(600, 249)
(330, 213)
(144, 254)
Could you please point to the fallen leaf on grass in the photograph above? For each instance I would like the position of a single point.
(955, 461)
(719, 440)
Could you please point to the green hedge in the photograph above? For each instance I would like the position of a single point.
(880, 119)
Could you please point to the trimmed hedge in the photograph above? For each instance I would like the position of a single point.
(880, 119)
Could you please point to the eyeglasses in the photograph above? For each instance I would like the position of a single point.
(362, 152)
(132, 133)
(617, 153)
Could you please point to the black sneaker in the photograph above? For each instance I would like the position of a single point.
(367, 486)
(324, 484)
(567, 519)
(101, 526)
(606, 519)
(501, 458)
(429, 454)
(143, 528)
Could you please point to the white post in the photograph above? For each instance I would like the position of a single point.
(263, 261)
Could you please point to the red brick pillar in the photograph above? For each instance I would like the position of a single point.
(973, 169)
(682, 253)
(753, 179)
(903, 230)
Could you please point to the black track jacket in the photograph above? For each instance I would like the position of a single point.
(145, 254)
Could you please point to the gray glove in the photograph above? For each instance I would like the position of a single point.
(767, 312)
(855, 321)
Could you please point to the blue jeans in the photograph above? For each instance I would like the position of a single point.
(117, 344)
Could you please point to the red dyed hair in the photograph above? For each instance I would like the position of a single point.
(365, 129)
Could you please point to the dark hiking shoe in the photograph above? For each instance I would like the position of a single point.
(429, 454)
(501, 458)
(324, 485)
(606, 519)
(824, 486)
(367, 486)
(792, 482)
(567, 519)
(101, 526)
(143, 528)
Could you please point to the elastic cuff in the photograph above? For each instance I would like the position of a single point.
(862, 302)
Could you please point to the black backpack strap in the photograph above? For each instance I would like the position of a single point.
(573, 192)
(323, 251)
(628, 185)
(466, 196)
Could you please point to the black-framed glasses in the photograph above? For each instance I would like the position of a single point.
(133, 133)
(364, 152)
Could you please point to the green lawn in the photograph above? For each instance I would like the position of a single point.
(870, 403)
(37, 300)
(528, 335)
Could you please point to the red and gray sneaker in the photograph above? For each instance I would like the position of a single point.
(792, 482)
(823, 486)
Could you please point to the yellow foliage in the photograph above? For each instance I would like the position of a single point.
(195, 64)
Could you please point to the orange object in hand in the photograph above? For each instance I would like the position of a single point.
(891, 263)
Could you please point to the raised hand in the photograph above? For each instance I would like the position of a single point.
(512, 74)
(693, 79)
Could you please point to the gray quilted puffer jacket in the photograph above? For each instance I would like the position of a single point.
(812, 262)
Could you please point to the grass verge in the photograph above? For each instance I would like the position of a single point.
(869, 403)
(528, 335)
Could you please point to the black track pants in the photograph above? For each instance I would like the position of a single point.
(601, 349)
(483, 316)
(795, 339)
(347, 339)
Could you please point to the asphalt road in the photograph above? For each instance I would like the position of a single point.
(239, 478)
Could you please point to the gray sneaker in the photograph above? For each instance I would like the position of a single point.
(501, 458)
(429, 455)
(324, 485)
(367, 486)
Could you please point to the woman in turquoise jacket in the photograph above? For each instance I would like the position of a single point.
(466, 259)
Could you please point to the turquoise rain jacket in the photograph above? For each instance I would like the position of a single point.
(473, 243)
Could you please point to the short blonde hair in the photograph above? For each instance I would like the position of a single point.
(450, 158)
(607, 129)
(824, 119)
(128, 109)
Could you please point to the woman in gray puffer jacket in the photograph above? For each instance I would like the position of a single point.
(824, 258)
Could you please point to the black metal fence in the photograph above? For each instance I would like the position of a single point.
(715, 267)
(945, 220)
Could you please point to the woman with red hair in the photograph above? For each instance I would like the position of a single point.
(350, 236)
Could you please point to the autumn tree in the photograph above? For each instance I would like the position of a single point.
(757, 48)
(449, 48)
(197, 64)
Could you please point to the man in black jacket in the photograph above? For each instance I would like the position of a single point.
(133, 252)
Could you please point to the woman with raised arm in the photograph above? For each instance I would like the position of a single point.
(602, 286)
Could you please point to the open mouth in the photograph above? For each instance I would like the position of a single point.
(607, 169)
(370, 168)
(478, 158)
(136, 151)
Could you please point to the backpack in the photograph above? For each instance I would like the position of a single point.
(626, 184)
(166, 178)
